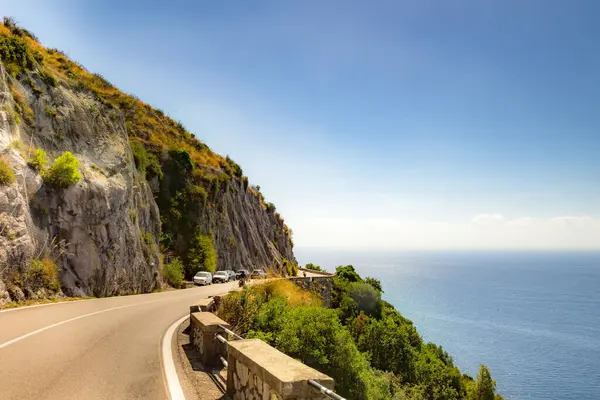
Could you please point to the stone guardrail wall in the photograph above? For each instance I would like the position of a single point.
(325, 273)
(255, 370)
(322, 286)
(258, 371)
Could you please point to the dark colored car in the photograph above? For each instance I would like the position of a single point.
(232, 275)
(242, 274)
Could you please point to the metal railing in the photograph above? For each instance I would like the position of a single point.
(327, 392)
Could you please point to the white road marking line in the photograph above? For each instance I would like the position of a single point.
(17, 339)
(43, 305)
(175, 390)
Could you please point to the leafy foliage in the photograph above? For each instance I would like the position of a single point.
(375, 283)
(347, 273)
(42, 274)
(233, 168)
(147, 163)
(49, 78)
(290, 268)
(201, 255)
(173, 272)
(7, 175)
(64, 171)
(314, 267)
(38, 160)
(16, 54)
(371, 352)
(366, 298)
(484, 388)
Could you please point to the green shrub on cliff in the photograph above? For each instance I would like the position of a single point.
(290, 268)
(146, 162)
(7, 175)
(16, 54)
(38, 160)
(63, 172)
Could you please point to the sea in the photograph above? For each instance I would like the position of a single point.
(533, 318)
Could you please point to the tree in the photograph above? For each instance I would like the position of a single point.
(315, 336)
(376, 283)
(347, 273)
(484, 387)
(389, 348)
(201, 254)
(367, 298)
(313, 267)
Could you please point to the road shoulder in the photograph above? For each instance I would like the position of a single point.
(195, 380)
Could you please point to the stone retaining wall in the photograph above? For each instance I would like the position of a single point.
(258, 371)
(319, 285)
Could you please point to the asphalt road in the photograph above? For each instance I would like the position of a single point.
(93, 349)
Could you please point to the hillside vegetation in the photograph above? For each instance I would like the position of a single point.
(87, 135)
(363, 342)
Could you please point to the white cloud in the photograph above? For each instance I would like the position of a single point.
(484, 231)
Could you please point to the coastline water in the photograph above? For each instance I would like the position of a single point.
(532, 317)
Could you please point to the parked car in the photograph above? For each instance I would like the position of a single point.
(242, 274)
(258, 274)
(203, 278)
(232, 276)
(221, 277)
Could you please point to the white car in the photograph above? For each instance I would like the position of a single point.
(203, 278)
(221, 276)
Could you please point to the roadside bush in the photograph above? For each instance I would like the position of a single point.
(38, 160)
(63, 172)
(201, 254)
(7, 175)
(173, 272)
(42, 274)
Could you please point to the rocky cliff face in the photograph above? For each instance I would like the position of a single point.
(105, 233)
(102, 246)
(246, 235)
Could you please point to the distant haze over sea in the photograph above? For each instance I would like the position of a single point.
(532, 317)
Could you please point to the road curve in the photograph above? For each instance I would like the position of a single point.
(94, 349)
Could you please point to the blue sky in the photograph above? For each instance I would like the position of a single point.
(390, 124)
